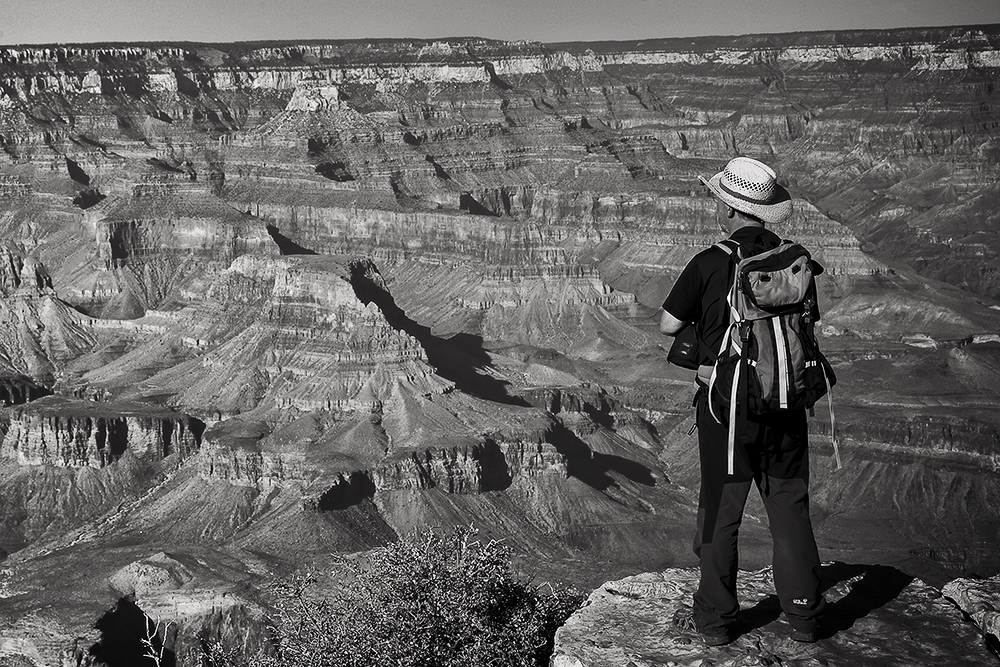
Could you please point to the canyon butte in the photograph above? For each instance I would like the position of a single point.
(263, 304)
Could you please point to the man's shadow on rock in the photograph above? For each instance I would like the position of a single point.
(878, 585)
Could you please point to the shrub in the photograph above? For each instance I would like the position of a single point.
(429, 601)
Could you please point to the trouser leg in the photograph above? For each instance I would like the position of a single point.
(720, 511)
(784, 487)
(795, 558)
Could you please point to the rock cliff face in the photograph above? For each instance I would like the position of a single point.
(410, 283)
(293, 334)
(63, 432)
(978, 599)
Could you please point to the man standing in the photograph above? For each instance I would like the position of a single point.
(775, 453)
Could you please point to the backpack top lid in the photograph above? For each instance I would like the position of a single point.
(774, 282)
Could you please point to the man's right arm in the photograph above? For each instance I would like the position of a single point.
(682, 305)
(669, 324)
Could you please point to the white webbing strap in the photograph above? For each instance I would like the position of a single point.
(777, 329)
(711, 384)
(715, 369)
(833, 419)
(732, 416)
(734, 390)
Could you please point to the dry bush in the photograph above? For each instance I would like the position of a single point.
(429, 601)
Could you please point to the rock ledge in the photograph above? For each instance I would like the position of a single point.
(877, 616)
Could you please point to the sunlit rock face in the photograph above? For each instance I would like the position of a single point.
(64, 432)
(291, 333)
(369, 287)
(978, 598)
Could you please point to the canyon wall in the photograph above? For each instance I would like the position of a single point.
(65, 432)
(293, 299)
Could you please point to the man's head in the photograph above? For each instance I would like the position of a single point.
(749, 191)
(729, 219)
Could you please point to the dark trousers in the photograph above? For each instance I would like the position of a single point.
(775, 458)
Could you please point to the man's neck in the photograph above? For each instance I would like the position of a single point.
(738, 222)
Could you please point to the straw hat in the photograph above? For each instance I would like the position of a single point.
(750, 186)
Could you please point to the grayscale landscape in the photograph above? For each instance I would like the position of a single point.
(267, 304)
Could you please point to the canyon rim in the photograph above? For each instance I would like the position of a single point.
(265, 302)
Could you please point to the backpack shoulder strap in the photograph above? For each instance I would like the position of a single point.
(730, 247)
(735, 252)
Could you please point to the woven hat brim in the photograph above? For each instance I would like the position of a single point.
(777, 209)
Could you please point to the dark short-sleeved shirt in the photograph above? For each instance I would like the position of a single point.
(699, 295)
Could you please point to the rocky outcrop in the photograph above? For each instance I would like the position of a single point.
(39, 332)
(297, 334)
(157, 237)
(173, 600)
(66, 432)
(487, 463)
(980, 600)
(468, 471)
(245, 466)
(160, 217)
(876, 615)
(185, 605)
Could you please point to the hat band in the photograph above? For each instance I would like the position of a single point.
(740, 195)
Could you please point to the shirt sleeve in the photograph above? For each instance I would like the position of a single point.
(684, 299)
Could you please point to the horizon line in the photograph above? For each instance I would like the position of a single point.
(348, 40)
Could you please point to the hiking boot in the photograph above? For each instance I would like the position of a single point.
(720, 638)
(684, 620)
(800, 635)
(804, 636)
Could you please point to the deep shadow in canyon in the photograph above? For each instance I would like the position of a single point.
(460, 359)
(124, 628)
(593, 467)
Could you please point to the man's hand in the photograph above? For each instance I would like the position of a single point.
(669, 324)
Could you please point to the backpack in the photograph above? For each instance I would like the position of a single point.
(769, 359)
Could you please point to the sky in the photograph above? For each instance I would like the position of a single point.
(69, 21)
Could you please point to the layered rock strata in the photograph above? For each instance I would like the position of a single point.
(528, 200)
(65, 432)
(526, 152)
(291, 334)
